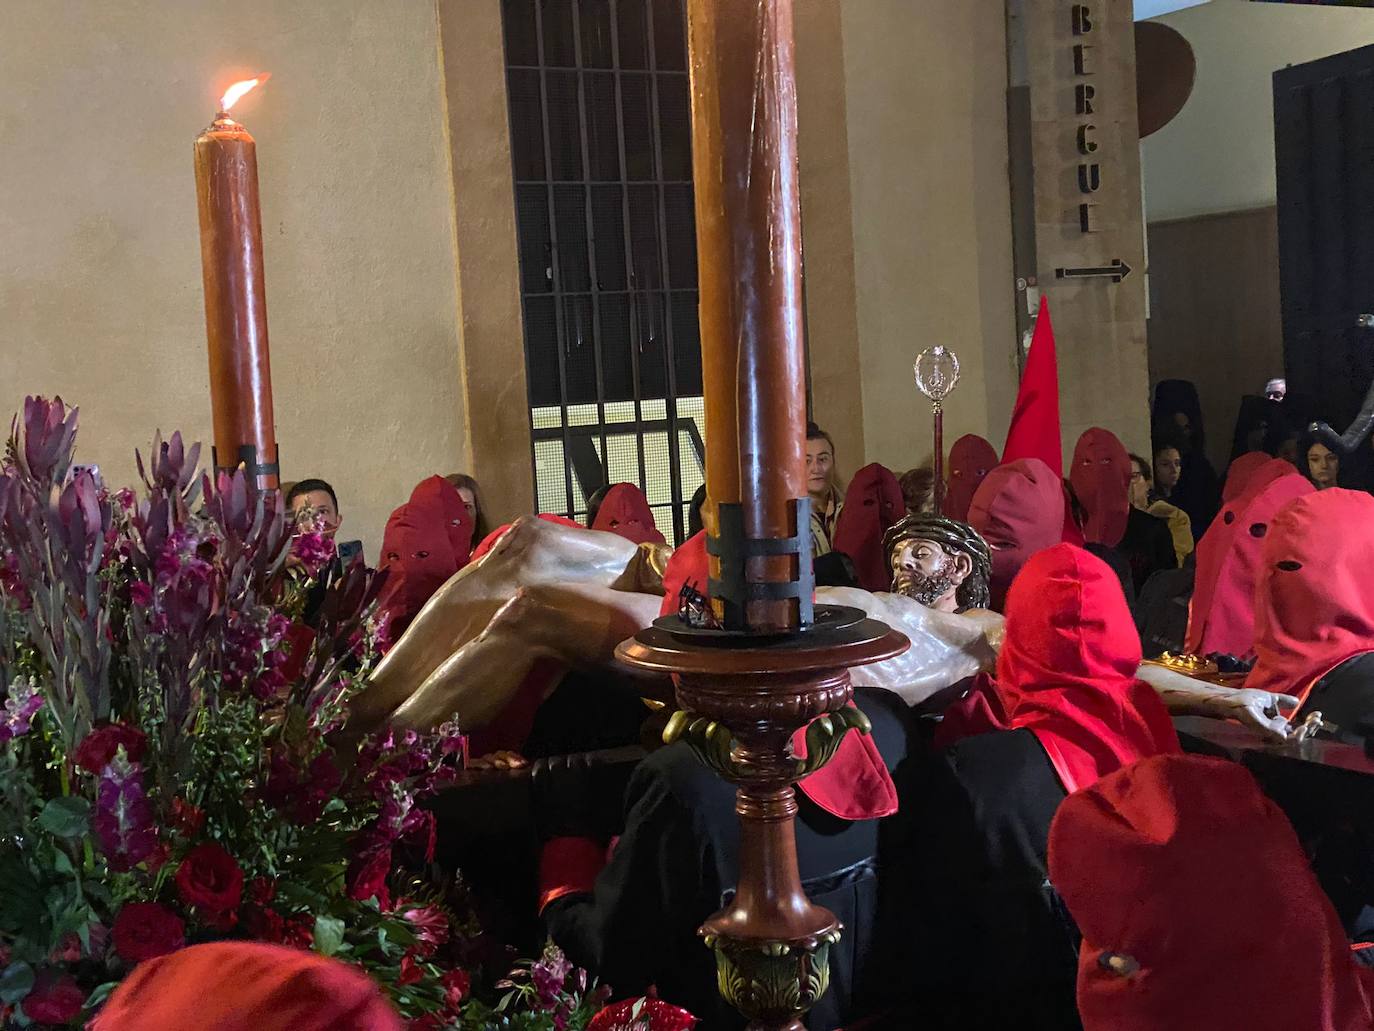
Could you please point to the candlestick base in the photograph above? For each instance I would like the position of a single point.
(742, 698)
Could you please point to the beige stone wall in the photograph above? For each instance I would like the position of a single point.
(1099, 325)
(927, 151)
(100, 281)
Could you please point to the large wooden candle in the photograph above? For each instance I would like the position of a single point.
(235, 295)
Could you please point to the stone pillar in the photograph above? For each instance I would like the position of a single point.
(1076, 203)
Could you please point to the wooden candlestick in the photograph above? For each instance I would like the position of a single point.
(770, 664)
(235, 301)
(748, 209)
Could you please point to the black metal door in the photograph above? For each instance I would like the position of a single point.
(601, 141)
(1324, 153)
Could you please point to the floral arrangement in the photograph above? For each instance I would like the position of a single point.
(175, 668)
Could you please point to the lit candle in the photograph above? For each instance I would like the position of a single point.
(235, 295)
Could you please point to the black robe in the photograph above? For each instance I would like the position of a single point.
(1148, 546)
(994, 947)
(1161, 612)
(677, 863)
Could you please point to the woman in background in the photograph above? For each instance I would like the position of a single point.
(1323, 466)
(472, 498)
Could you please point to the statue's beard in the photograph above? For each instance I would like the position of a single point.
(927, 590)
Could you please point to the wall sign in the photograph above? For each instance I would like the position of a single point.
(1085, 104)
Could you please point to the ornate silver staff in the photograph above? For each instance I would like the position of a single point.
(937, 374)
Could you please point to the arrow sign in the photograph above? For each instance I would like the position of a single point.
(1116, 271)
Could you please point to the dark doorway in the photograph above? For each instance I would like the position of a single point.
(1324, 152)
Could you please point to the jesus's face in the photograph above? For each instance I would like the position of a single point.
(925, 572)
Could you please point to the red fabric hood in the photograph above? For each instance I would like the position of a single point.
(625, 511)
(1034, 430)
(246, 986)
(1067, 669)
(970, 460)
(855, 784)
(1240, 472)
(1019, 510)
(872, 504)
(1101, 479)
(1221, 617)
(426, 541)
(1314, 607)
(1180, 863)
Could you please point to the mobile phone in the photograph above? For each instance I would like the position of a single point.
(94, 470)
(349, 550)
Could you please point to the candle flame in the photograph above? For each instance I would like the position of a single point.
(236, 92)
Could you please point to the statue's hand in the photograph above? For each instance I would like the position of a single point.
(1262, 711)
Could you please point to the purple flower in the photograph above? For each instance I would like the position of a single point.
(21, 706)
(314, 550)
(141, 594)
(549, 974)
(123, 816)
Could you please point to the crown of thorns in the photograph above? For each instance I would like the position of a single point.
(951, 535)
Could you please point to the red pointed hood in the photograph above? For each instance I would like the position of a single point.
(1067, 669)
(1019, 510)
(1101, 478)
(426, 541)
(1181, 863)
(625, 511)
(970, 460)
(855, 784)
(246, 986)
(1240, 472)
(1221, 617)
(1314, 608)
(872, 504)
(1034, 431)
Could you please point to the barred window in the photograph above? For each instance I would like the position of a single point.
(601, 145)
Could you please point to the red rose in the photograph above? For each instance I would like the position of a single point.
(456, 984)
(187, 818)
(263, 924)
(210, 880)
(429, 923)
(367, 875)
(68, 950)
(145, 930)
(299, 932)
(410, 970)
(98, 747)
(55, 999)
(262, 890)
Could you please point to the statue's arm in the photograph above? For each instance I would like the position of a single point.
(1259, 710)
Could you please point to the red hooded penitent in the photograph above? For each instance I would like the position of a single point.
(872, 504)
(246, 986)
(1198, 907)
(970, 460)
(1101, 478)
(1019, 510)
(1314, 607)
(426, 541)
(625, 511)
(1221, 617)
(1067, 669)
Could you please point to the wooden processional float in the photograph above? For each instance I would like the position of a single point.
(759, 661)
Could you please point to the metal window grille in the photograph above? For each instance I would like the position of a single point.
(601, 144)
